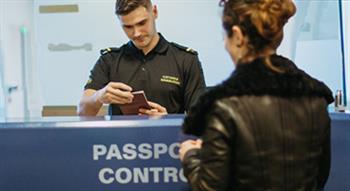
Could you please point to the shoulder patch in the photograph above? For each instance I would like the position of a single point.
(109, 50)
(186, 49)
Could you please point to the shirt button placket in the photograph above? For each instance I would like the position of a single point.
(143, 75)
(143, 65)
(143, 70)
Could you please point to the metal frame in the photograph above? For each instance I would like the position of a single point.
(342, 44)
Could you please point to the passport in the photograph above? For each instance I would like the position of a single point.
(139, 101)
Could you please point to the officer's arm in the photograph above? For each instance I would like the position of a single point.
(112, 93)
(89, 104)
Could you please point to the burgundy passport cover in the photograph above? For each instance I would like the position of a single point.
(139, 101)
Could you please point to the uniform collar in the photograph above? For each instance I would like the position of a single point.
(160, 48)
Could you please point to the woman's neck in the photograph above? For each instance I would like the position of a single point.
(248, 58)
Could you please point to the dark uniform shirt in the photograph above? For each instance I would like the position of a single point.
(171, 75)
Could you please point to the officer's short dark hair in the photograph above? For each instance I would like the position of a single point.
(124, 7)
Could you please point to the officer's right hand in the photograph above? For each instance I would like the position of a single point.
(115, 93)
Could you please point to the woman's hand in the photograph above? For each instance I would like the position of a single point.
(188, 145)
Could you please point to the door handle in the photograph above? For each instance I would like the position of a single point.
(11, 89)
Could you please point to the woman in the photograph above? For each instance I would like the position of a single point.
(266, 127)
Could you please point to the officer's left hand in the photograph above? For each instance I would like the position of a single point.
(157, 110)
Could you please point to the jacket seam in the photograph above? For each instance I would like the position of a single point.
(284, 144)
(258, 147)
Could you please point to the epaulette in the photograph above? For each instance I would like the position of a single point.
(109, 50)
(189, 50)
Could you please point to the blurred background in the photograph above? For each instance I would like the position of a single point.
(48, 47)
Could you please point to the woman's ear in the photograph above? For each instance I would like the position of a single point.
(238, 37)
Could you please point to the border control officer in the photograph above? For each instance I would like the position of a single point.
(170, 74)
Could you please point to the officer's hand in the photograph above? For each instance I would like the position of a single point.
(116, 93)
(157, 110)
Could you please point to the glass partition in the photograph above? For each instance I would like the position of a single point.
(2, 96)
(346, 43)
(2, 93)
(318, 44)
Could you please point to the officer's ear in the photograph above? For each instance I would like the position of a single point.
(155, 11)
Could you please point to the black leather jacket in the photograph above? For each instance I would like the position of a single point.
(261, 130)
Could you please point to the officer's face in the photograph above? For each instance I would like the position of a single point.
(139, 26)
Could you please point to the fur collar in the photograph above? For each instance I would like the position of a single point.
(256, 79)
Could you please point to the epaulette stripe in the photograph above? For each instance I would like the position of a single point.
(189, 50)
(108, 50)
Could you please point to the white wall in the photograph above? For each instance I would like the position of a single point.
(2, 92)
(14, 15)
(64, 73)
(292, 30)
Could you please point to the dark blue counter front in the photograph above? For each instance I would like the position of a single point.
(339, 179)
(122, 153)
